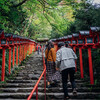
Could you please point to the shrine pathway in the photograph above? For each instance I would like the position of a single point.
(20, 85)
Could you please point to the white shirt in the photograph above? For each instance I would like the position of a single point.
(66, 57)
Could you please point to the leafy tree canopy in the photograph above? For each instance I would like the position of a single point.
(47, 18)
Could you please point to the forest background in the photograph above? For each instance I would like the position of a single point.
(47, 18)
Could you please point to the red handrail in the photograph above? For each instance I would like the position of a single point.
(36, 85)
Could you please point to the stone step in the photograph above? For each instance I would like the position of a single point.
(32, 84)
(26, 73)
(69, 99)
(31, 81)
(20, 85)
(15, 99)
(28, 77)
(79, 95)
(38, 70)
(46, 99)
(78, 85)
(24, 78)
(48, 90)
(33, 69)
(50, 95)
(21, 81)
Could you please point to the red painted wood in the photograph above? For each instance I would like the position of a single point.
(13, 56)
(74, 48)
(17, 55)
(9, 64)
(90, 66)
(81, 62)
(3, 65)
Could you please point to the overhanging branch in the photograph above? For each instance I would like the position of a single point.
(19, 4)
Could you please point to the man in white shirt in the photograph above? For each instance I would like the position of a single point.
(65, 59)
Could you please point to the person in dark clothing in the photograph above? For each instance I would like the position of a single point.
(38, 48)
(65, 59)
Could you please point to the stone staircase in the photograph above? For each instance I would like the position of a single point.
(20, 86)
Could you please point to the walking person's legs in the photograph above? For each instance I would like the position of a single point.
(69, 83)
(50, 71)
(64, 82)
(38, 51)
(72, 80)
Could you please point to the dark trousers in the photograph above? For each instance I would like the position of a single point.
(71, 72)
(38, 51)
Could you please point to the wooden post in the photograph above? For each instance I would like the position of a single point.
(3, 65)
(90, 66)
(9, 64)
(81, 61)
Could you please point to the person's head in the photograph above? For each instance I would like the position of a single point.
(50, 45)
(66, 43)
(60, 44)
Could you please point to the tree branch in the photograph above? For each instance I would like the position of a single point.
(19, 4)
(50, 22)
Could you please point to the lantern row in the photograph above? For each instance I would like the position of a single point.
(12, 39)
(83, 39)
(24, 47)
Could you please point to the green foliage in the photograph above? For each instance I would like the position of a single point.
(36, 18)
(40, 18)
(85, 18)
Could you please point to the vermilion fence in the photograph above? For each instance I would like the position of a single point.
(23, 47)
(36, 86)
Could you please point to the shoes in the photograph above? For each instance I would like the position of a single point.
(55, 84)
(69, 83)
(74, 92)
(67, 97)
(48, 86)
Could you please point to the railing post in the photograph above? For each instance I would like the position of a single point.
(17, 55)
(13, 56)
(81, 61)
(20, 53)
(37, 93)
(3, 65)
(74, 48)
(9, 68)
(24, 51)
(44, 75)
(29, 49)
(90, 66)
(45, 83)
